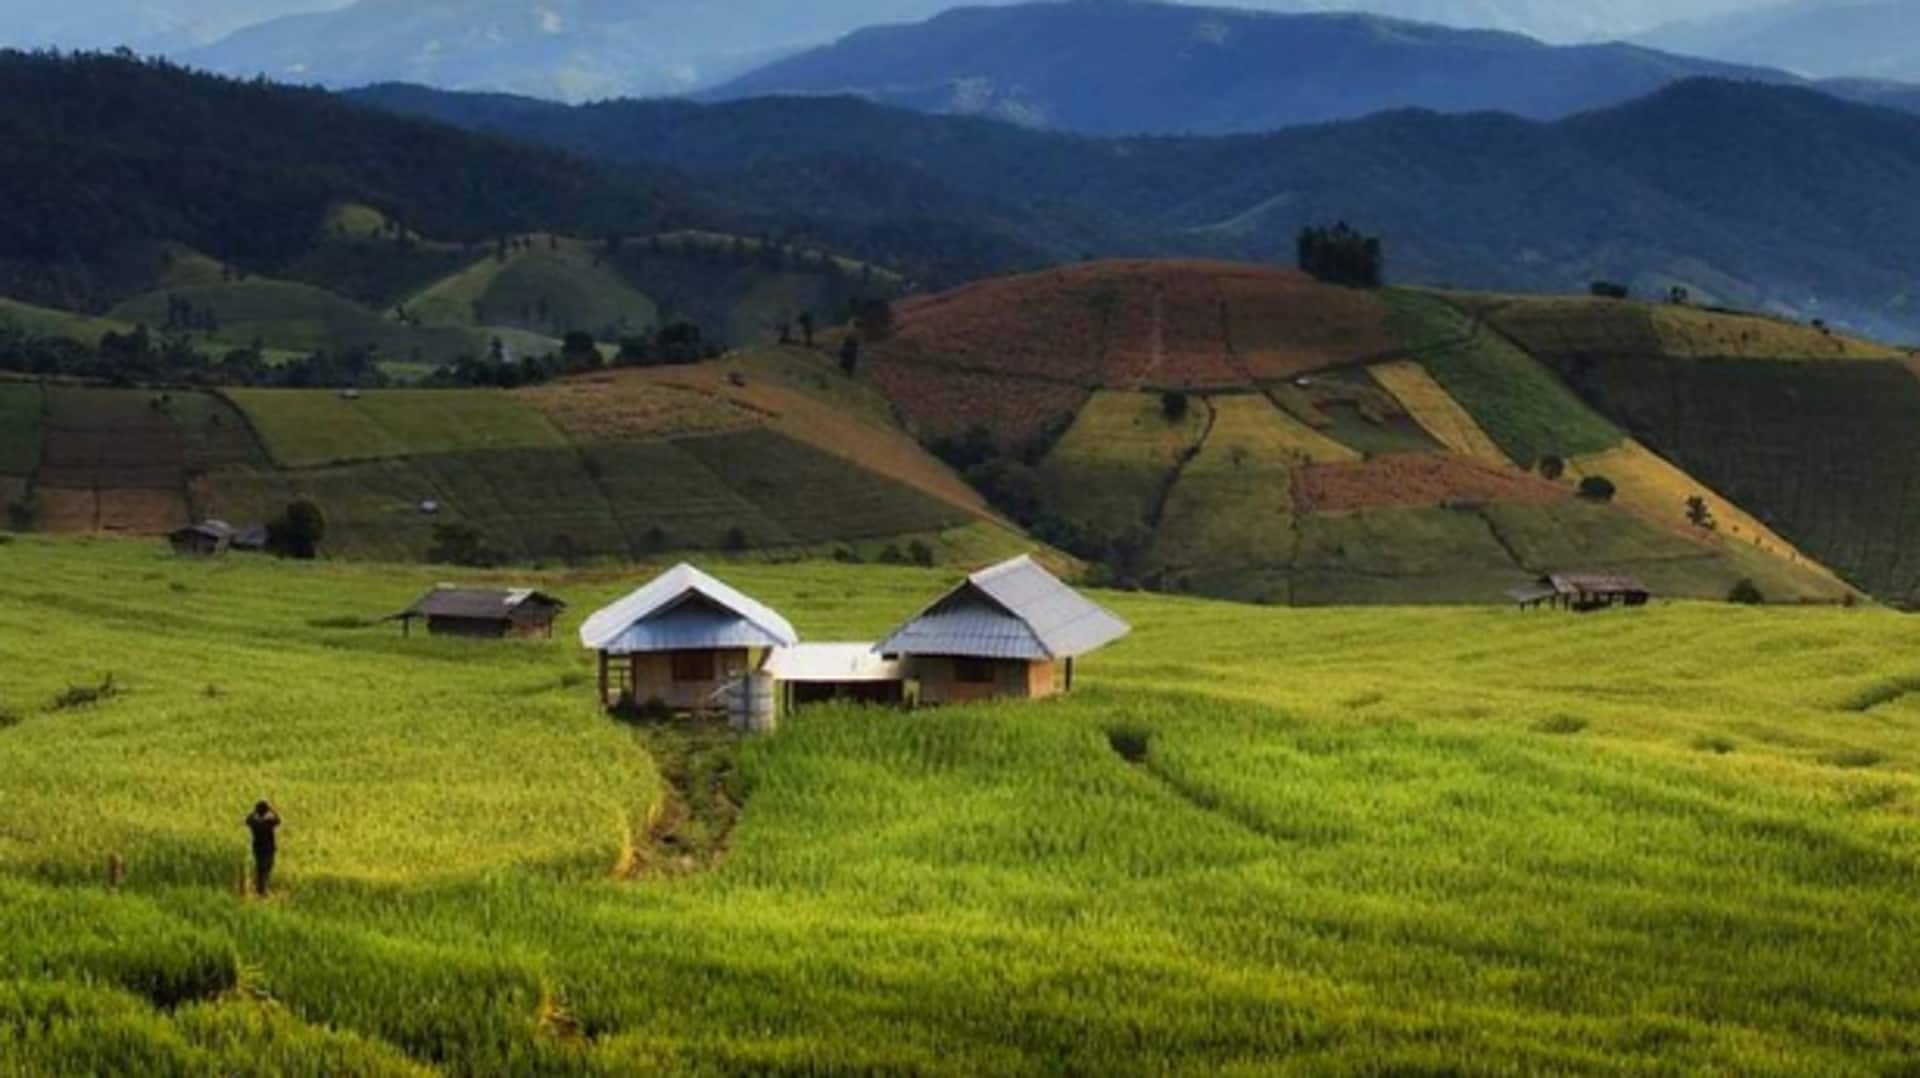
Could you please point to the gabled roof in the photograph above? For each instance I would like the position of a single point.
(685, 609)
(1015, 610)
(478, 604)
(1591, 583)
(1532, 593)
(213, 529)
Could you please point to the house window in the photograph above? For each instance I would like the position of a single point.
(973, 671)
(693, 666)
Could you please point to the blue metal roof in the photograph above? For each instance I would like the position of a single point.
(685, 610)
(1016, 610)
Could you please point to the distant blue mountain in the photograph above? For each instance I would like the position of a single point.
(1877, 39)
(1129, 68)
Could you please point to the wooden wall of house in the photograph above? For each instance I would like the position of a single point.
(941, 681)
(653, 677)
(475, 628)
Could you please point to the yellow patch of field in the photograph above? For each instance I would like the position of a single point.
(1233, 505)
(1657, 490)
(1113, 463)
(1436, 411)
(1295, 436)
(629, 405)
(794, 392)
(1690, 333)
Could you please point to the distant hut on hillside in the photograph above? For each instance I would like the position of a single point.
(207, 539)
(684, 640)
(253, 540)
(1582, 592)
(485, 613)
(1012, 631)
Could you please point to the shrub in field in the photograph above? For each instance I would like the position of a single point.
(1718, 744)
(299, 531)
(1173, 406)
(76, 696)
(1746, 593)
(1700, 514)
(1855, 758)
(8, 718)
(1560, 725)
(919, 553)
(1552, 467)
(736, 540)
(1597, 488)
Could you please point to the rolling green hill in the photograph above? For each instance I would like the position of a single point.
(1251, 434)
(1211, 427)
(1344, 841)
(611, 466)
(1811, 433)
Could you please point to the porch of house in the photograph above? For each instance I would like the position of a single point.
(692, 681)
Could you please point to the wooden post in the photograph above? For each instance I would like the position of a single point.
(1069, 675)
(603, 679)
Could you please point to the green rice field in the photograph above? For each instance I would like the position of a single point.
(1362, 841)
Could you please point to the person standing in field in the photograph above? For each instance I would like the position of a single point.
(263, 823)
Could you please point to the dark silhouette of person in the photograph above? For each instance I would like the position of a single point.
(263, 823)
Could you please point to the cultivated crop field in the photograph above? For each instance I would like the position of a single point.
(1361, 841)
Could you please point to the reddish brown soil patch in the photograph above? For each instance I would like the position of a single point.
(1414, 479)
(1118, 325)
(949, 402)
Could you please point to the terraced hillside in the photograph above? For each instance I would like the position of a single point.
(615, 465)
(1250, 433)
(1815, 434)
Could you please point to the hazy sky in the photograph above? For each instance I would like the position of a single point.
(158, 24)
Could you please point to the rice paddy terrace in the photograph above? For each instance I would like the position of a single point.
(770, 451)
(1224, 429)
(1251, 433)
(1676, 839)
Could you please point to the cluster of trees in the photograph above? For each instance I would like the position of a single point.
(141, 357)
(1341, 255)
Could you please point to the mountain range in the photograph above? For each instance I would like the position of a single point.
(1766, 197)
(148, 25)
(1146, 67)
(1851, 38)
(578, 50)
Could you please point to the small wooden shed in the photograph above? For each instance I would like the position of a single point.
(1012, 631)
(1582, 592)
(207, 539)
(483, 613)
(684, 640)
